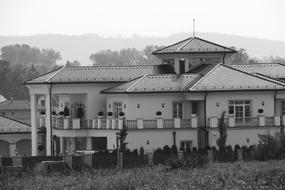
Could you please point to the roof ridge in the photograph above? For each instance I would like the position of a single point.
(55, 74)
(188, 41)
(170, 45)
(145, 65)
(14, 120)
(41, 75)
(132, 86)
(273, 79)
(205, 76)
(234, 51)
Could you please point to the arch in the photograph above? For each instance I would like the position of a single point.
(4, 148)
(24, 147)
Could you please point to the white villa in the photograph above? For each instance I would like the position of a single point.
(177, 102)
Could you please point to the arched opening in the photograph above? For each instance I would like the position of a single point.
(4, 148)
(24, 147)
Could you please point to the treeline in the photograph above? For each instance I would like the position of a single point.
(20, 63)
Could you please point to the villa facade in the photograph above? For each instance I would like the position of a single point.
(177, 102)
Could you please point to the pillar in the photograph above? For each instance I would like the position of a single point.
(88, 143)
(140, 123)
(232, 122)
(194, 121)
(177, 123)
(12, 148)
(48, 126)
(159, 122)
(213, 122)
(34, 133)
(277, 120)
(61, 143)
(261, 120)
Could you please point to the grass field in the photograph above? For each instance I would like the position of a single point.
(247, 175)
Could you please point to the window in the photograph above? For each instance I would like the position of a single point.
(195, 108)
(283, 107)
(117, 109)
(43, 102)
(240, 108)
(185, 145)
(177, 109)
(80, 143)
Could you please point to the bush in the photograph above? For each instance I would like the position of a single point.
(121, 114)
(100, 113)
(166, 150)
(158, 113)
(174, 150)
(110, 114)
(141, 151)
(268, 147)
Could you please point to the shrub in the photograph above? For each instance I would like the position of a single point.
(195, 150)
(61, 113)
(174, 150)
(221, 141)
(121, 114)
(66, 111)
(268, 147)
(166, 150)
(229, 149)
(43, 112)
(110, 114)
(141, 151)
(158, 113)
(182, 147)
(100, 113)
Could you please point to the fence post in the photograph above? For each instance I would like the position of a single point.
(150, 158)
(159, 122)
(180, 155)
(99, 122)
(261, 120)
(194, 121)
(277, 120)
(231, 121)
(108, 122)
(140, 123)
(177, 123)
(210, 156)
(240, 158)
(213, 122)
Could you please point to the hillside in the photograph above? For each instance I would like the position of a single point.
(80, 47)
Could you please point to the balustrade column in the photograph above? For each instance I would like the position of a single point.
(34, 133)
(261, 120)
(177, 123)
(48, 126)
(231, 121)
(140, 123)
(159, 122)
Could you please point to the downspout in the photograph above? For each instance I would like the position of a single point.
(205, 102)
(224, 58)
(50, 117)
(275, 102)
(205, 121)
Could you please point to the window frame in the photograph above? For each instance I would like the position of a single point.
(177, 111)
(240, 108)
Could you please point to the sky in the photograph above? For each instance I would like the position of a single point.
(253, 18)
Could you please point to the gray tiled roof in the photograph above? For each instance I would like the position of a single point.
(274, 70)
(194, 45)
(223, 78)
(16, 105)
(85, 74)
(156, 83)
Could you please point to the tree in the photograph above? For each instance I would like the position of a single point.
(221, 141)
(241, 57)
(74, 63)
(32, 72)
(4, 70)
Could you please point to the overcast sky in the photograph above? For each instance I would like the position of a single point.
(253, 18)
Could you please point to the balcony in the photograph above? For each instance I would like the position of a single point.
(117, 123)
(260, 121)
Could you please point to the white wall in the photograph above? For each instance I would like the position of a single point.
(149, 104)
(241, 136)
(159, 138)
(223, 98)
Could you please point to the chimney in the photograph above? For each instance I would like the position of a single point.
(181, 66)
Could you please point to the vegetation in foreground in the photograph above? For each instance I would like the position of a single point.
(246, 175)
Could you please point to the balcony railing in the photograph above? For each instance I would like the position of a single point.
(246, 121)
(259, 121)
(117, 123)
